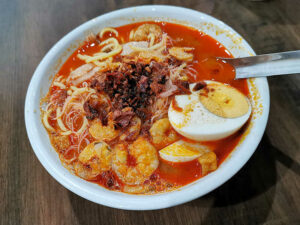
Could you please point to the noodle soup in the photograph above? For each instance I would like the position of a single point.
(106, 111)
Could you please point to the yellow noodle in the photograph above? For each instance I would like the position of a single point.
(110, 40)
(83, 57)
(59, 121)
(111, 43)
(73, 88)
(117, 50)
(45, 120)
(66, 132)
(108, 29)
(100, 64)
(59, 84)
(108, 47)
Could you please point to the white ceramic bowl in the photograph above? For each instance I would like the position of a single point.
(40, 83)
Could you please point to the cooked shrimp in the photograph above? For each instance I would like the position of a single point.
(181, 53)
(104, 133)
(133, 131)
(94, 159)
(162, 133)
(208, 162)
(135, 164)
(142, 32)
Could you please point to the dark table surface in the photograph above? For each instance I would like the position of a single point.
(265, 191)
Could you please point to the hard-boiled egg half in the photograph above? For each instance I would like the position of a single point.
(214, 112)
(182, 151)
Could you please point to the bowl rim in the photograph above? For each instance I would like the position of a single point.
(137, 202)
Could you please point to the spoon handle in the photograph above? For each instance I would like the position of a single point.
(266, 65)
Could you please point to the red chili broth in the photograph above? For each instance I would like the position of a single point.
(206, 49)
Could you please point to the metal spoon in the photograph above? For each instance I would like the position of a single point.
(266, 65)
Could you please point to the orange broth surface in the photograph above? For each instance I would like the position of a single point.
(206, 49)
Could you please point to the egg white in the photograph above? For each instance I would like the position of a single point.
(197, 123)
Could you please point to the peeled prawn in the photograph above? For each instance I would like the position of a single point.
(144, 161)
(208, 162)
(162, 133)
(94, 159)
(142, 32)
(133, 131)
(104, 133)
(181, 53)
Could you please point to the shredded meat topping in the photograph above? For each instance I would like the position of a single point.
(122, 117)
(94, 110)
(130, 87)
(134, 87)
